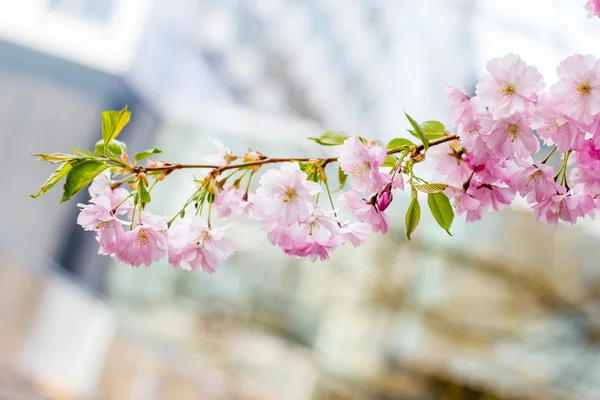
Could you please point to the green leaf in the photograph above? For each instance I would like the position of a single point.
(116, 148)
(390, 161)
(53, 179)
(144, 194)
(399, 142)
(413, 216)
(84, 153)
(342, 177)
(331, 138)
(432, 130)
(432, 187)
(55, 158)
(113, 123)
(419, 131)
(80, 176)
(441, 210)
(145, 154)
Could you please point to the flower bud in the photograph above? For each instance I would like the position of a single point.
(125, 158)
(253, 156)
(419, 157)
(385, 198)
(156, 164)
(143, 178)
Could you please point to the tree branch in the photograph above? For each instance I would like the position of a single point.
(275, 160)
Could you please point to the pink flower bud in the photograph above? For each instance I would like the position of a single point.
(385, 198)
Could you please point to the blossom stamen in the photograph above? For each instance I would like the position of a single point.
(289, 195)
(513, 131)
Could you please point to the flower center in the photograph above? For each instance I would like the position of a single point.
(203, 239)
(513, 131)
(584, 88)
(312, 227)
(509, 89)
(535, 177)
(142, 238)
(289, 195)
(361, 171)
(105, 224)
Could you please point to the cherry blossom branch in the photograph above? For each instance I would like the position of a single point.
(277, 160)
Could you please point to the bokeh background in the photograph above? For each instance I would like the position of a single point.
(506, 309)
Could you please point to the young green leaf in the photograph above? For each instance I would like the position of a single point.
(145, 154)
(83, 153)
(55, 158)
(432, 187)
(342, 177)
(331, 138)
(144, 194)
(80, 176)
(413, 216)
(113, 123)
(54, 179)
(441, 210)
(419, 131)
(116, 148)
(399, 142)
(433, 129)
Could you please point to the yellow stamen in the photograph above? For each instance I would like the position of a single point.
(584, 88)
(509, 89)
(142, 238)
(289, 195)
(513, 131)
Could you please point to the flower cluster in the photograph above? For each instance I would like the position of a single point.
(593, 8)
(506, 136)
(144, 238)
(494, 158)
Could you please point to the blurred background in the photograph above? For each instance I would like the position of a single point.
(506, 309)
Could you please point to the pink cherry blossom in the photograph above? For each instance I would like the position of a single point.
(465, 204)
(234, 201)
(398, 181)
(144, 244)
(564, 206)
(363, 164)
(460, 105)
(577, 93)
(97, 216)
(194, 245)
(593, 8)
(321, 236)
(512, 137)
(286, 237)
(366, 212)
(586, 179)
(510, 86)
(355, 232)
(536, 182)
(555, 128)
(101, 186)
(495, 197)
(314, 238)
(285, 195)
